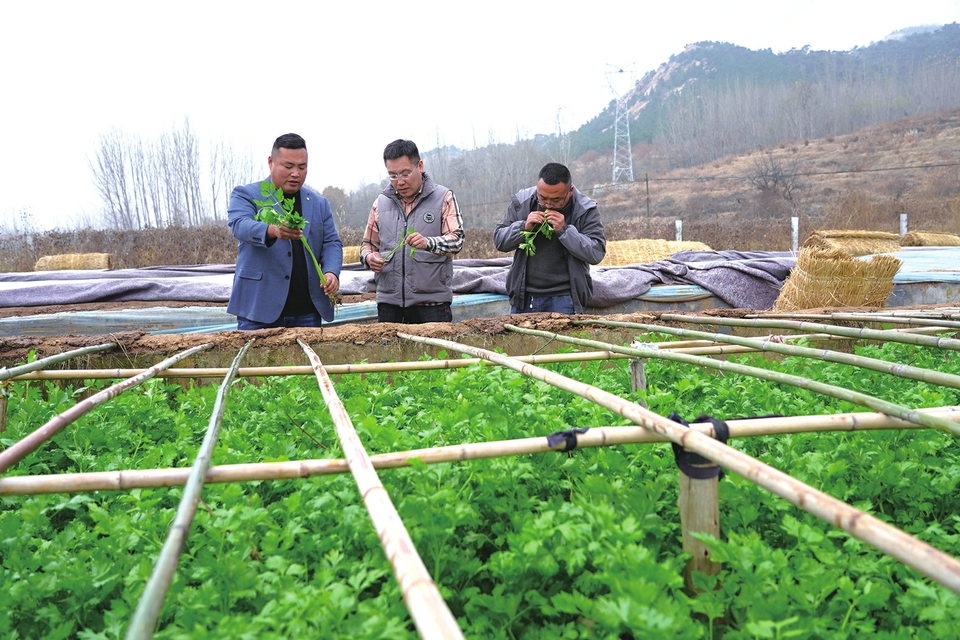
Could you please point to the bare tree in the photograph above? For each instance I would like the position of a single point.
(161, 183)
(110, 166)
(228, 169)
(771, 177)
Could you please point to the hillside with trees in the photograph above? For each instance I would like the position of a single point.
(721, 135)
(714, 101)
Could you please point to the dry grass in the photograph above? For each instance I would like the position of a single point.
(864, 180)
(861, 181)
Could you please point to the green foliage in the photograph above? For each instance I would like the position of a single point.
(413, 250)
(529, 236)
(286, 217)
(267, 209)
(583, 544)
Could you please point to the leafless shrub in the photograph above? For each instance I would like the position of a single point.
(770, 175)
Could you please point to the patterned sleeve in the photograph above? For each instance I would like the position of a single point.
(371, 235)
(451, 226)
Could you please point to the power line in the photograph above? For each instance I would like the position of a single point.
(809, 173)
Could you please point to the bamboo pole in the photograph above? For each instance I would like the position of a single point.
(22, 448)
(849, 332)
(3, 405)
(869, 317)
(430, 613)
(862, 399)
(945, 313)
(6, 374)
(333, 369)
(826, 355)
(929, 561)
(145, 617)
(596, 437)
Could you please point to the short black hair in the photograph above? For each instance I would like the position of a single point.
(555, 173)
(288, 141)
(399, 148)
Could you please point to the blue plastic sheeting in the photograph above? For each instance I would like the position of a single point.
(927, 264)
(929, 275)
(744, 279)
(163, 320)
(154, 319)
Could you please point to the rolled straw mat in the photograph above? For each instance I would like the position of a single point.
(831, 278)
(853, 242)
(930, 239)
(644, 251)
(74, 261)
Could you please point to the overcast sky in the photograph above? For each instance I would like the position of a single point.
(351, 77)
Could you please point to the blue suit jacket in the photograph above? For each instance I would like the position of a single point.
(264, 265)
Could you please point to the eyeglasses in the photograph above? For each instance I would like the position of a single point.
(552, 202)
(397, 177)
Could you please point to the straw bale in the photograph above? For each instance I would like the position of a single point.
(854, 242)
(351, 254)
(644, 251)
(74, 261)
(930, 239)
(687, 245)
(831, 278)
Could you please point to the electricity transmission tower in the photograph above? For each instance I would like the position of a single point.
(622, 153)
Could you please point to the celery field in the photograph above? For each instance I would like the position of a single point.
(584, 544)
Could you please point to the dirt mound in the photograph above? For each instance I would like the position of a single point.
(134, 343)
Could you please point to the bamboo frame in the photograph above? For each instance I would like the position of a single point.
(870, 317)
(126, 480)
(150, 605)
(826, 355)
(862, 399)
(938, 312)
(429, 611)
(22, 448)
(928, 560)
(6, 374)
(305, 370)
(698, 347)
(888, 335)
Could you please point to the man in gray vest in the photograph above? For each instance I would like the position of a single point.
(555, 233)
(412, 233)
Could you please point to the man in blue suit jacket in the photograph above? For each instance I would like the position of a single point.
(276, 284)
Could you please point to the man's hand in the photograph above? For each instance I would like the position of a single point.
(555, 218)
(283, 233)
(375, 261)
(332, 285)
(534, 220)
(416, 241)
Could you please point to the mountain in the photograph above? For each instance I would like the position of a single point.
(715, 106)
(707, 73)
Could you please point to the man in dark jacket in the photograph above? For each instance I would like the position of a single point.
(412, 233)
(555, 233)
